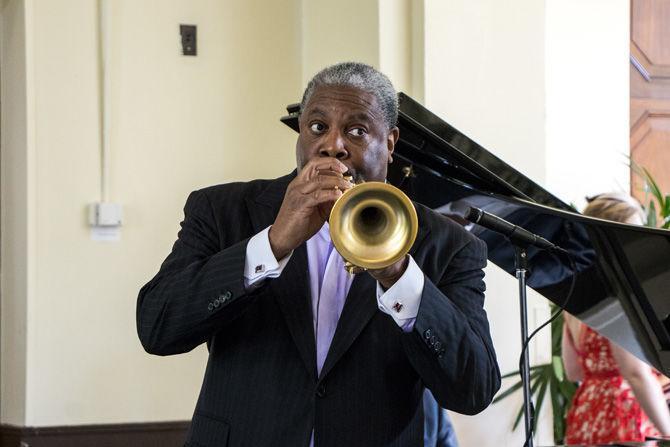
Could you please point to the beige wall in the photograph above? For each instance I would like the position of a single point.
(178, 123)
(17, 200)
(588, 97)
(382, 33)
(396, 58)
(346, 30)
(484, 74)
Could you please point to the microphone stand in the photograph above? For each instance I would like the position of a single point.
(520, 238)
(521, 265)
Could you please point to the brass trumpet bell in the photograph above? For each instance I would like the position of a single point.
(373, 225)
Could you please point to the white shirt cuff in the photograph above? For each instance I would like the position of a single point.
(401, 301)
(260, 262)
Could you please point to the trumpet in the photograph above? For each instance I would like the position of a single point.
(372, 226)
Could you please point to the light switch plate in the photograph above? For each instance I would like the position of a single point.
(105, 214)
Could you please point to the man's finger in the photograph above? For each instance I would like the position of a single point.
(329, 172)
(320, 196)
(325, 182)
(323, 164)
(325, 195)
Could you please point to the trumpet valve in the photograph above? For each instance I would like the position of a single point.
(353, 269)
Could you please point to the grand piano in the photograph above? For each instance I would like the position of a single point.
(621, 273)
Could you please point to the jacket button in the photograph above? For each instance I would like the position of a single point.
(210, 306)
(226, 296)
(427, 334)
(437, 347)
(432, 341)
(320, 391)
(217, 303)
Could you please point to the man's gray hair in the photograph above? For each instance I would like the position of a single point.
(360, 76)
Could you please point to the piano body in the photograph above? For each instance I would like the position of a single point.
(622, 278)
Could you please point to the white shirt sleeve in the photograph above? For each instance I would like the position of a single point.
(260, 262)
(401, 301)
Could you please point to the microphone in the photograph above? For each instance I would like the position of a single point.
(518, 235)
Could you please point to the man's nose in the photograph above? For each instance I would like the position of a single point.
(333, 146)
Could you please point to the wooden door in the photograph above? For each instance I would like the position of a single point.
(650, 91)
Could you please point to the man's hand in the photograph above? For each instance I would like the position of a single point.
(389, 275)
(307, 204)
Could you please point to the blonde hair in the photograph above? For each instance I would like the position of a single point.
(616, 206)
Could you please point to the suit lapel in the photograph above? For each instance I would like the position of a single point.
(291, 288)
(359, 307)
(291, 291)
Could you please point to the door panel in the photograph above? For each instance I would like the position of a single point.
(650, 91)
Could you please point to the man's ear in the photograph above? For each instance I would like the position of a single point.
(391, 140)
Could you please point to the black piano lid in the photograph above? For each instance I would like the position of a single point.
(623, 272)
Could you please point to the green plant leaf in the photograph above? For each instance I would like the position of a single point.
(540, 401)
(655, 190)
(558, 410)
(635, 167)
(556, 331)
(651, 215)
(519, 414)
(508, 391)
(557, 364)
(567, 389)
(516, 373)
(510, 374)
(533, 389)
(514, 387)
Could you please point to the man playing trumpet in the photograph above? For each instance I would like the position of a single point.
(300, 352)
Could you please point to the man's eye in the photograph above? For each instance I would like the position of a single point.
(317, 127)
(357, 131)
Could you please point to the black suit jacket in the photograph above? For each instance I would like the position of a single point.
(260, 386)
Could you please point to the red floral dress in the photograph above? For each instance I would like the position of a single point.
(604, 408)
